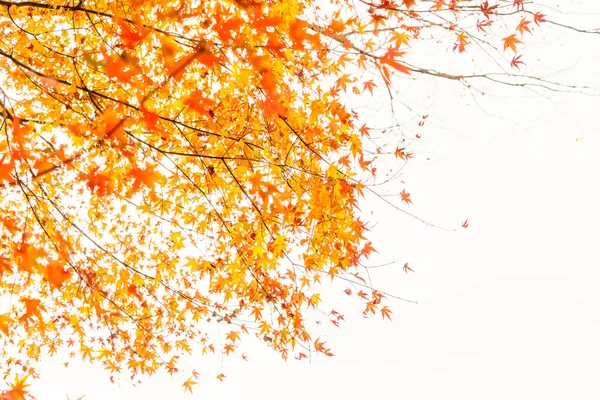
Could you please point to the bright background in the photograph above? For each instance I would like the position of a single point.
(508, 308)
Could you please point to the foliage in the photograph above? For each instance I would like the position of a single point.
(167, 165)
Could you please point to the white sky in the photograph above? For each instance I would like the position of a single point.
(508, 308)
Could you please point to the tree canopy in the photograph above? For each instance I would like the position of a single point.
(168, 165)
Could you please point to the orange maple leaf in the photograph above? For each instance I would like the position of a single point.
(386, 312)
(17, 390)
(523, 26)
(510, 42)
(405, 197)
(6, 170)
(221, 377)
(226, 29)
(233, 336)
(128, 35)
(147, 176)
(56, 274)
(389, 60)
(117, 67)
(33, 308)
(187, 385)
(5, 321)
(461, 42)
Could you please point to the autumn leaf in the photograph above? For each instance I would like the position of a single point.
(516, 61)
(129, 36)
(402, 154)
(406, 268)
(145, 176)
(386, 313)
(465, 224)
(187, 385)
(461, 42)
(389, 59)
(405, 197)
(56, 274)
(233, 336)
(17, 389)
(487, 9)
(221, 377)
(117, 67)
(5, 321)
(523, 26)
(538, 18)
(511, 42)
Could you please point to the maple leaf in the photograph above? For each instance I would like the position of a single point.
(221, 377)
(117, 67)
(401, 38)
(6, 170)
(518, 4)
(538, 18)
(5, 321)
(523, 26)
(510, 42)
(150, 118)
(147, 177)
(226, 29)
(17, 389)
(516, 61)
(405, 197)
(208, 59)
(401, 154)
(388, 59)
(367, 249)
(487, 10)
(187, 385)
(128, 35)
(233, 336)
(461, 42)
(406, 268)
(376, 20)
(481, 25)
(386, 313)
(56, 274)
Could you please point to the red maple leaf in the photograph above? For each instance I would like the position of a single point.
(406, 268)
(538, 17)
(516, 61)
